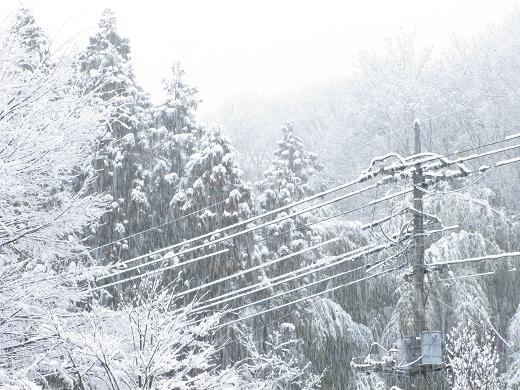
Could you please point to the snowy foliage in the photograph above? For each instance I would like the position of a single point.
(104, 70)
(86, 159)
(473, 358)
(282, 365)
(287, 180)
(144, 346)
(47, 128)
(332, 338)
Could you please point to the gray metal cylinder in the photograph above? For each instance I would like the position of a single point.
(431, 347)
(406, 346)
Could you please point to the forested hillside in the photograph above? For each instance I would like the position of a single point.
(293, 245)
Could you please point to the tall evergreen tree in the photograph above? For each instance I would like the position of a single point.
(287, 181)
(105, 71)
(32, 38)
(213, 184)
(175, 136)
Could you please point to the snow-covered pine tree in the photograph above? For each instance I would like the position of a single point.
(32, 38)
(105, 71)
(212, 183)
(176, 136)
(287, 181)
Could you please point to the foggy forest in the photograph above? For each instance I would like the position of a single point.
(362, 233)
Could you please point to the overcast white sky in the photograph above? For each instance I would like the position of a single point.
(236, 47)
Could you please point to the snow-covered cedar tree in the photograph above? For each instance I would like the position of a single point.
(175, 136)
(282, 365)
(332, 339)
(104, 70)
(177, 112)
(286, 181)
(47, 127)
(32, 39)
(212, 183)
(473, 358)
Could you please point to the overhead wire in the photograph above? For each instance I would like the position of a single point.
(314, 283)
(311, 299)
(338, 188)
(289, 276)
(352, 255)
(223, 201)
(326, 291)
(162, 269)
(430, 158)
(311, 266)
(379, 200)
(473, 259)
(179, 218)
(434, 157)
(196, 259)
(307, 298)
(341, 274)
(480, 312)
(237, 234)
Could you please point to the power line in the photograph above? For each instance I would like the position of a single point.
(454, 311)
(337, 260)
(332, 289)
(375, 223)
(257, 267)
(361, 178)
(311, 266)
(155, 271)
(473, 259)
(289, 276)
(379, 200)
(393, 169)
(462, 277)
(320, 280)
(310, 296)
(263, 180)
(233, 235)
(312, 208)
(318, 206)
(277, 260)
(482, 314)
(180, 218)
(498, 164)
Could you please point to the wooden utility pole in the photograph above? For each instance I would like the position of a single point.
(418, 265)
